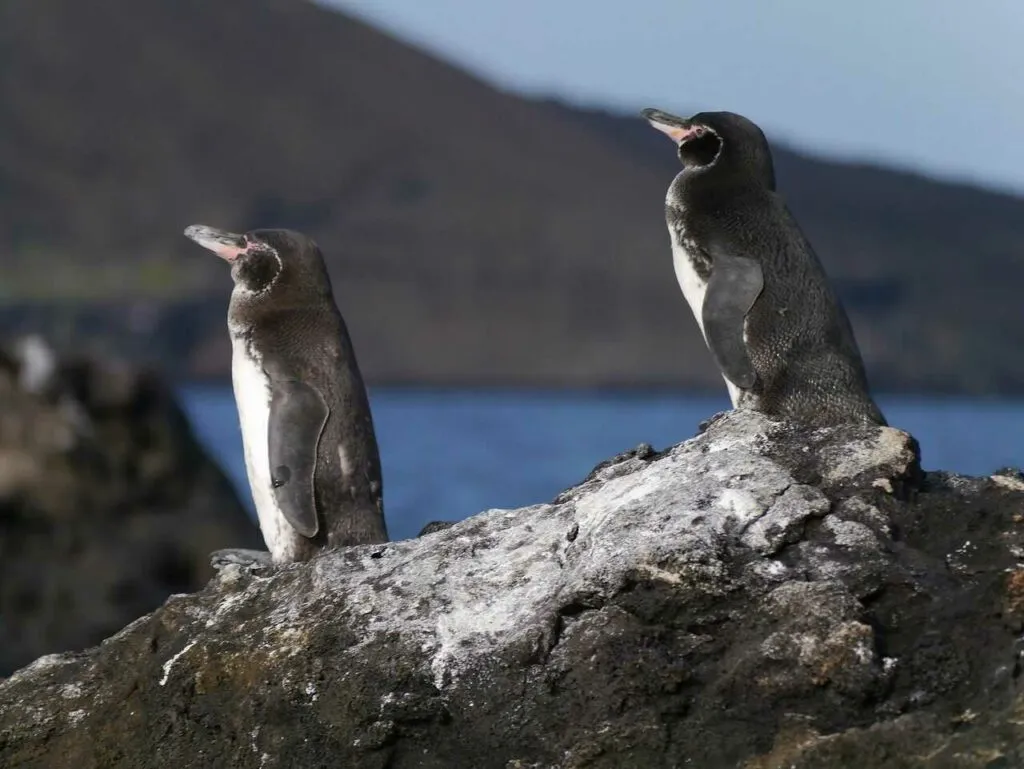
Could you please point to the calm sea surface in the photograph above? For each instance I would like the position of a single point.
(450, 453)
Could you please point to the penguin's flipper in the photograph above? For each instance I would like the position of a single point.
(735, 284)
(298, 414)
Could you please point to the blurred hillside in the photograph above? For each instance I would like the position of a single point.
(472, 236)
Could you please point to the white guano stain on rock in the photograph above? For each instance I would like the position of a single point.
(75, 716)
(71, 691)
(170, 663)
(1008, 482)
(887, 448)
(851, 534)
(462, 596)
(481, 585)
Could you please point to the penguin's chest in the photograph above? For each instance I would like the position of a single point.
(694, 287)
(685, 258)
(252, 397)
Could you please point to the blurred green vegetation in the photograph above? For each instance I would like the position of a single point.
(49, 277)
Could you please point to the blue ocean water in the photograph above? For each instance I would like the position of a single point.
(448, 454)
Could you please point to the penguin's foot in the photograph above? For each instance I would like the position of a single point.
(251, 560)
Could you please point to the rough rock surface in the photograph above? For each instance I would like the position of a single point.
(759, 596)
(107, 503)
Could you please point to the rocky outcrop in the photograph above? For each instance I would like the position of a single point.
(759, 596)
(107, 503)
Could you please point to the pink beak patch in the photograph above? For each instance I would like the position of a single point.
(227, 245)
(225, 252)
(678, 134)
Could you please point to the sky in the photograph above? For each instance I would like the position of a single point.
(928, 85)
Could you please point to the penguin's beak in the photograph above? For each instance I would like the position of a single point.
(678, 129)
(227, 245)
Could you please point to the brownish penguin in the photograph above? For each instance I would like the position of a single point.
(310, 447)
(771, 320)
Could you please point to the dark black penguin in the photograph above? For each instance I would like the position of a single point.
(310, 449)
(760, 296)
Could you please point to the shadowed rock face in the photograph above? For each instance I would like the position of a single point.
(107, 503)
(758, 596)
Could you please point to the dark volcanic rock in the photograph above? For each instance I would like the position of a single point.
(107, 503)
(759, 596)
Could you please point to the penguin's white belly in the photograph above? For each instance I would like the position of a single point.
(694, 288)
(252, 397)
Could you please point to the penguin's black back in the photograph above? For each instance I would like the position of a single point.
(799, 336)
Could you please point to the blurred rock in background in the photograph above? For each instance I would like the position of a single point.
(107, 503)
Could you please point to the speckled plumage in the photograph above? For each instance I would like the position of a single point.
(798, 337)
(289, 339)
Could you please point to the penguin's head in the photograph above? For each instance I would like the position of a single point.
(284, 263)
(718, 143)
